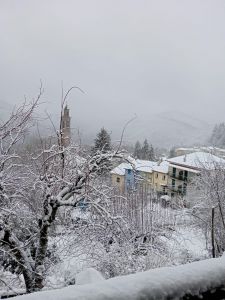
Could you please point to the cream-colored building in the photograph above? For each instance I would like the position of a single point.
(184, 168)
(118, 177)
(160, 177)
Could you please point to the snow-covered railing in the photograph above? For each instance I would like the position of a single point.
(204, 278)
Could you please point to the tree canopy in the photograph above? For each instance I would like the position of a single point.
(145, 152)
(102, 141)
(217, 137)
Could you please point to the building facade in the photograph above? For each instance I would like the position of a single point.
(184, 169)
(172, 177)
(143, 174)
(160, 177)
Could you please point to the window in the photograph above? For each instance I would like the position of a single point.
(156, 175)
(185, 188)
(117, 179)
(164, 177)
(181, 173)
(129, 172)
(173, 183)
(174, 172)
(179, 188)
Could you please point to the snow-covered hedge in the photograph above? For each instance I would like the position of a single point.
(162, 283)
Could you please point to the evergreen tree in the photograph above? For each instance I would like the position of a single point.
(218, 135)
(172, 152)
(151, 155)
(103, 145)
(102, 141)
(137, 150)
(145, 150)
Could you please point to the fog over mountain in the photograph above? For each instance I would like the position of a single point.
(162, 61)
(165, 130)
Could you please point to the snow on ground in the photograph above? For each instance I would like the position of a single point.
(89, 275)
(73, 258)
(192, 240)
(187, 242)
(184, 243)
(161, 283)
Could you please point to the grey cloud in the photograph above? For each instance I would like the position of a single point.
(143, 57)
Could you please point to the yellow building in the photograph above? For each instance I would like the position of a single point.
(118, 177)
(127, 176)
(160, 177)
(148, 175)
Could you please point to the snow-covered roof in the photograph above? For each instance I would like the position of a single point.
(145, 165)
(210, 149)
(163, 167)
(197, 160)
(139, 165)
(120, 170)
(186, 149)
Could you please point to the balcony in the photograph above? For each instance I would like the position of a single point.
(178, 177)
(197, 280)
(177, 189)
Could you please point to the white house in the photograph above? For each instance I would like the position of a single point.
(182, 170)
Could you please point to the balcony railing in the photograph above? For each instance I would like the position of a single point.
(198, 280)
(175, 189)
(179, 177)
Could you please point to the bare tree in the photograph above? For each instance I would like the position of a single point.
(33, 193)
(208, 205)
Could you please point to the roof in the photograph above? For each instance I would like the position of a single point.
(186, 169)
(139, 165)
(120, 170)
(162, 167)
(197, 160)
(144, 165)
(210, 149)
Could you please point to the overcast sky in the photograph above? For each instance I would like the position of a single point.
(143, 57)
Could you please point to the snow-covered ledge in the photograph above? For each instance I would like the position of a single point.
(162, 283)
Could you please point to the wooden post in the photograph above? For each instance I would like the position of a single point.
(212, 233)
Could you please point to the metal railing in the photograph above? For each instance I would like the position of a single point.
(178, 177)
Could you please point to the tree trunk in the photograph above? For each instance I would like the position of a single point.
(40, 257)
(49, 218)
(21, 257)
